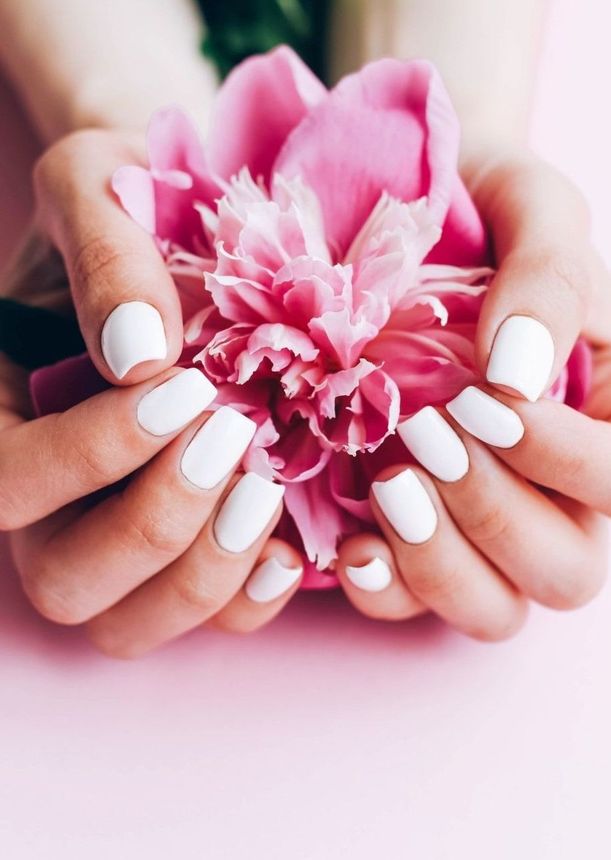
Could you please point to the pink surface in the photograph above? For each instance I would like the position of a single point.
(325, 736)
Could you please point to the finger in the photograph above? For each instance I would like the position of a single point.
(539, 299)
(126, 301)
(76, 572)
(439, 565)
(548, 554)
(367, 572)
(202, 581)
(49, 462)
(273, 582)
(548, 442)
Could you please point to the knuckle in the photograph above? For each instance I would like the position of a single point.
(194, 591)
(51, 603)
(435, 584)
(499, 627)
(112, 645)
(567, 272)
(156, 532)
(53, 166)
(239, 623)
(570, 589)
(97, 260)
(486, 525)
(92, 462)
(11, 517)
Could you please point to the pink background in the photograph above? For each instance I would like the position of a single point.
(325, 736)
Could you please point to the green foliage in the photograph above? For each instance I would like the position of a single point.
(236, 29)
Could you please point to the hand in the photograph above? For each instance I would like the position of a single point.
(504, 510)
(170, 548)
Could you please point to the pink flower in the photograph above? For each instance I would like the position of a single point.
(331, 267)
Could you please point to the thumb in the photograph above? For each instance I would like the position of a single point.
(539, 299)
(126, 302)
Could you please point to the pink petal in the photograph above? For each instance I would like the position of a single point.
(321, 523)
(135, 188)
(259, 104)
(389, 127)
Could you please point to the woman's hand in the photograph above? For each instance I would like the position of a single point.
(169, 548)
(504, 509)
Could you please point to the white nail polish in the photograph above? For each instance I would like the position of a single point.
(407, 506)
(133, 333)
(486, 418)
(217, 447)
(246, 512)
(522, 357)
(175, 403)
(270, 580)
(435, 445)
(373, 576)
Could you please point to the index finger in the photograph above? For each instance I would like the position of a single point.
(126, 302)
(539, 299)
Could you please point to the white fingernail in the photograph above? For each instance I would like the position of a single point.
(217, 447)
(270, 580)
(133, 333)
(175, 403)
(407, 506)
(373, 576)
(246, 512)
(522, 357)
(435, 445)
(486, 418)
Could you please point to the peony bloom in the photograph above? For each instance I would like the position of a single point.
(331, 267)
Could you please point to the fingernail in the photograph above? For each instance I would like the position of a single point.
(373, 576)
(270, 580)
(175, 403)
(217, 447)
(246, 512)
(435, 445)
(132, 333)
(486, 418)
(407, 506)
(522, 357)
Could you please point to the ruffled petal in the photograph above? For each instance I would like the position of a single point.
(259, 104)
(389, 127)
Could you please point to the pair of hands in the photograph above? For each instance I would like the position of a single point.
(145, 564)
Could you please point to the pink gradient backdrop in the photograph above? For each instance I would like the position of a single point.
(325, 736)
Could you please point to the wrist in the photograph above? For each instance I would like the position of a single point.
(100, 103)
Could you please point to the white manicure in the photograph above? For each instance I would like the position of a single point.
(217, 447)
(486, 418)
(270, 580)
(133, 333)
(435, 445)
(522, 357)
(175, 403)
(407, 506)
(374, 576)
(246, 512)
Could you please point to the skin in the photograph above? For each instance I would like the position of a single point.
(500, 541)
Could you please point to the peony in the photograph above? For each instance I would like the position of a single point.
(331, 267)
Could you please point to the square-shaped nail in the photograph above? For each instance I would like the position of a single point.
(522, 357)
(436, 446)
(176, 402)
(217, 447)
(246, 512)
(486, 418)
(407, 506)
